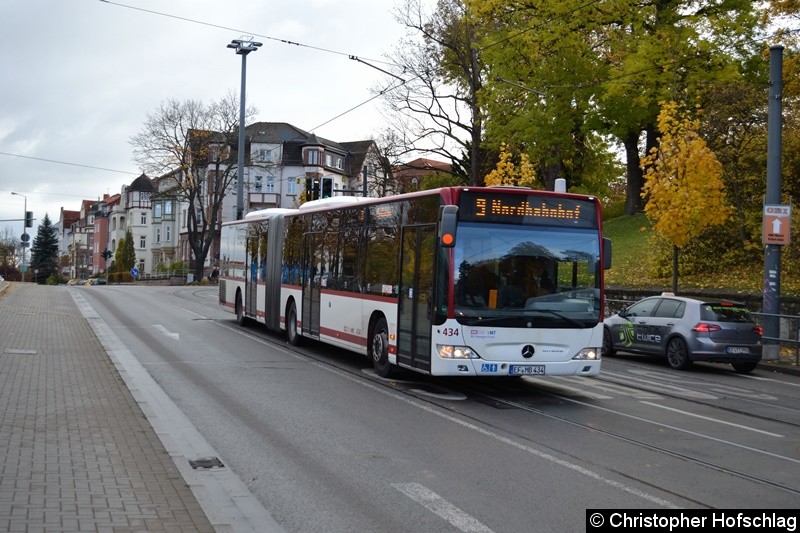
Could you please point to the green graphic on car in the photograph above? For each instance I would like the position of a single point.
(626, 334)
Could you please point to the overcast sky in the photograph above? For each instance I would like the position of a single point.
(80, 76)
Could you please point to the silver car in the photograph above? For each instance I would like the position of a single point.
(685, 330)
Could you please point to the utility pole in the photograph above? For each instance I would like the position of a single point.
(772, 252)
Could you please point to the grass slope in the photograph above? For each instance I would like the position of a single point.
(631, 264)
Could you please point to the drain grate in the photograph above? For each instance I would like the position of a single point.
(206, 462)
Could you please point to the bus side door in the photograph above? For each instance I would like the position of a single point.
(312, 278)
(415, 311)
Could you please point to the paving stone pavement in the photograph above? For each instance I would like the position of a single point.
(76, 451)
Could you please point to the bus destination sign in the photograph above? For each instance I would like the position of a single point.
(527, 209)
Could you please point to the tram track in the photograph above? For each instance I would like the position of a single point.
(663, 391)
(411, 388)
(636, 442)
(349, 363)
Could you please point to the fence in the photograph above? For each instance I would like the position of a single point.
(788, 332)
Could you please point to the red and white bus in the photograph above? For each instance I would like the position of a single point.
(457, 281)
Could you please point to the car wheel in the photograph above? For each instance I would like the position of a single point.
(295, 339)
(744, 367)
(608, 344)
(379, 349)
(678, 354)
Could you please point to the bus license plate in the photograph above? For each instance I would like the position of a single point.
(738, 349)
(521, 370)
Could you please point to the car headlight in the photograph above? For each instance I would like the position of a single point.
(587, 354)
(448, 351)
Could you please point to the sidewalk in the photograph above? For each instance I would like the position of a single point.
(76, 451)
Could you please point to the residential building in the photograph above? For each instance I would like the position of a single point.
(63, 227)
(165, 237)
(102, 214)
(410, 174)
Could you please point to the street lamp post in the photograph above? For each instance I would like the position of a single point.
(24, 231)
(242, 47)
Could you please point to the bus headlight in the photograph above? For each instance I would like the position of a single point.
(587, 354)
(448, 351)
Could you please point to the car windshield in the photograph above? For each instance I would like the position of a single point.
(717, 312)
(526, 276)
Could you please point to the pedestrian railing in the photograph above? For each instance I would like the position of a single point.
(788, 332)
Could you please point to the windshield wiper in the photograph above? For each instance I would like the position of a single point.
(562, 316)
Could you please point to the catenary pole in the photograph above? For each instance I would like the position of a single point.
(772, 252)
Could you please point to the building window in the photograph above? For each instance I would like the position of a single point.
(143, 242)
(340, 163)
(168, 207)
(157, 210)
(183, 218)
(291, 185)
(144, 219)
(312, 157)
(258, 185)
(270, 184)
(158, 235)
(167, 234)
(328, 160)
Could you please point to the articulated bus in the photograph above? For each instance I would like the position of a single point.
(457, 281)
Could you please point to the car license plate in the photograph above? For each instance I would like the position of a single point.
(737, 349)
(522, 370)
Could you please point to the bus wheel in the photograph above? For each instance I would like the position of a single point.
(240, 318)
(291, 326)
(379, 349)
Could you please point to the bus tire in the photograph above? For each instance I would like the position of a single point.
(294, 337)
(379, 349)
(239, 308)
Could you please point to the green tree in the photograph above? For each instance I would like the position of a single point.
(683, 183)
(125, 256)
(564, 77)
(44, 253)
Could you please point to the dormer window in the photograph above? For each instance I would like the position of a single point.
(312, 157)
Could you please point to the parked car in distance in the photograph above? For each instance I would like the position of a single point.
(97, 281)
(685, 330)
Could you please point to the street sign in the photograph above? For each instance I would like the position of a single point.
(135, 272)
(25, 237)
(777, 222)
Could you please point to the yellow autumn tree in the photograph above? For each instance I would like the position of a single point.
(507, 173)
(683, 182)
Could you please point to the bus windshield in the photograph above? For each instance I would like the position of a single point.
(527, 276)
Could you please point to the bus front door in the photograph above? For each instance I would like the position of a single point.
(312, 278)
(415, 304)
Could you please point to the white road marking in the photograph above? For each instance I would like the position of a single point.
(441, 507)
(686, 413)
(166, 332)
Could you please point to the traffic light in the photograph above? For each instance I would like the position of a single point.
(28, 219)
(327, 187)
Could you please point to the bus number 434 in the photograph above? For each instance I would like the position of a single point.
(449, 332)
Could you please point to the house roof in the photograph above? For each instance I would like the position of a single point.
(142, 184)
(421, 167)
